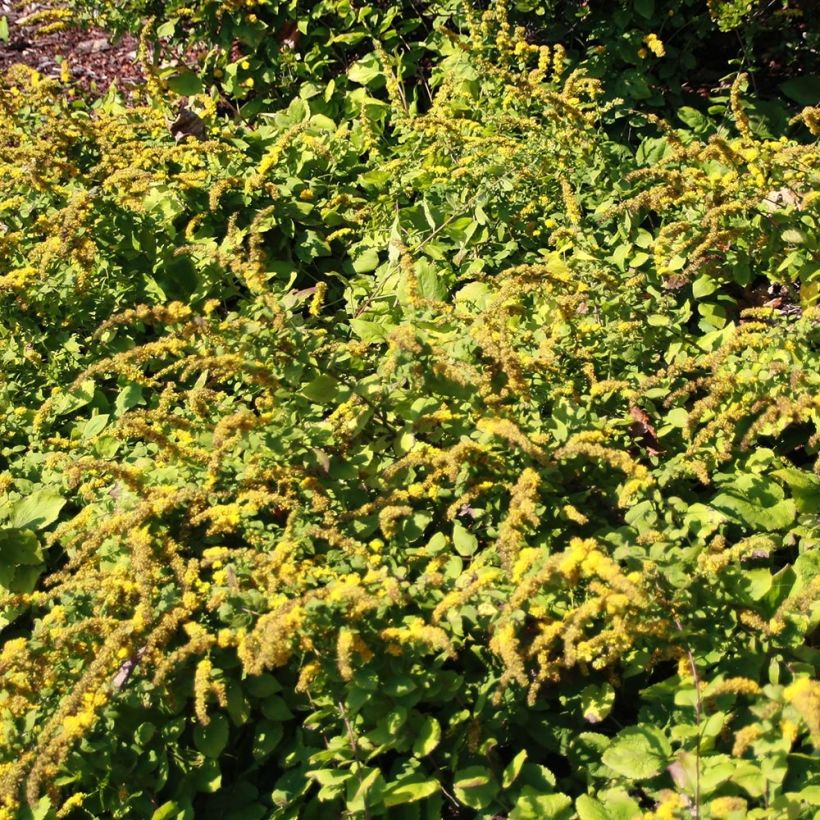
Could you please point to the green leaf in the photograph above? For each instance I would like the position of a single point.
(804, 486)
(145, 731)
(810, 795)
(41, 810)
(597, 702)
(261, 686)
(758, 582)
(807, 568)
(19, 546)
(794, 236)
(312, 245)
(322, 390)
(612, 804)
(474, 296)
(513, 769)
(646, 8)
(464, 541)
(366, 261)
(38, 510)
(166, 29)
(364, 790)
(77, 398)
(584, 753)
(409, 790)
(638, 752)
(4, 29)
(428, 737)
(677, 417)
(757, 502)
(589, 808)
(21, 560)
(632, 83)
(330, 778)
(364, 71)
(212, 739)
(714, 315)
(130, 396)
(399, 686)
(238, 707)
(694, 119)
(165, 203)
(267, 736)
(750, 778)
(432, 283)
(95, 425)
(369, 331)
(706, 774)
(531, 805)
(274, 708)
(804, 90)
(475, 787)
(186, 83)
(172, 811)
(704, 286)
(207, 778)
(652, 149)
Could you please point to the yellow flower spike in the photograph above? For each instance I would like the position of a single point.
(505, 644)
(317, 302)
(75, 801)
(307, 675)
(744, 738)
(740, 116)
(527, 557)
(733, 686)
(202, 687)
(344, 653)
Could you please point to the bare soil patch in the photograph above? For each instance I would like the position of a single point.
(95, 60)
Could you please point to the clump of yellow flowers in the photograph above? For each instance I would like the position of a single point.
(505, 475)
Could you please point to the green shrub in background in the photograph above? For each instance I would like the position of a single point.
(388, 460)
(258, 53)
(653, 54)
(662, 54)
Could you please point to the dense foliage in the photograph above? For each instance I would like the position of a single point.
(421, 445)
(666, 56)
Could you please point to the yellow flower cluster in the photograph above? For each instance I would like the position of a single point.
(522, 513)
(655, 45)
(205, 685)
(732, 686)
(804, 696)
(280, 526)
(416, 631)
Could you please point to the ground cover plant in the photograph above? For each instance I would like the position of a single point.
(427, 431)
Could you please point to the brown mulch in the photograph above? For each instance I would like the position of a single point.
(95, 60)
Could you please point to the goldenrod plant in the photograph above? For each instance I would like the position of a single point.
(379, 460)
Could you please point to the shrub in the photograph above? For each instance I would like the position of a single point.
(665, 56)
(420, 464)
